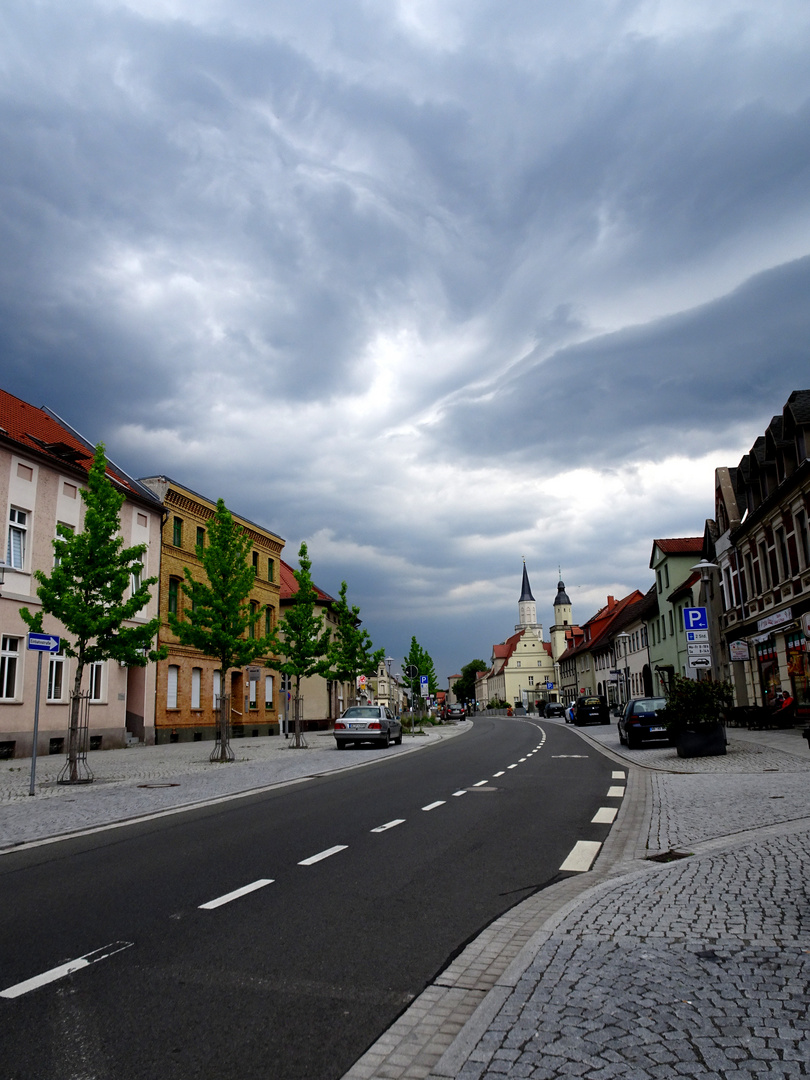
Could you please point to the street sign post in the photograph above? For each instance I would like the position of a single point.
(39, 643)
(423, 686)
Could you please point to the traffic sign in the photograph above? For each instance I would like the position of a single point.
(695, 618)
(44, 642)
(700, 661)
(411, 671)
(697, 635)
(699, 649)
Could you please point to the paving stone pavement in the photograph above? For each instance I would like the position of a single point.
(639, 969)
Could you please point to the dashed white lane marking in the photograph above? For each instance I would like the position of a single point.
(619, 774)
(433, 805)
(481, 783)
(462, 792)
(512, 766)
(582, 855)
(390, 825)
(226, 899)
(65, 969)
(605, 815)
(522, 759)
(555, 757)
(615, 792)
(323, 855)
(499, 773)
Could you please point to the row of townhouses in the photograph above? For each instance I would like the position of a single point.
(43, 467)
(749, 570)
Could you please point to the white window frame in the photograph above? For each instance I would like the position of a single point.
(196, 684)
(268, 691)
(172, 682)
(17, 527)
(10, 654)
(56, 662)
(95, 681)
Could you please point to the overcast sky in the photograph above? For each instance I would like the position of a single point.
(434, 285)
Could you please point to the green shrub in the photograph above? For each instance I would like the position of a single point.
(692, 704)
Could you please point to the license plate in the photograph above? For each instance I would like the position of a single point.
(658, 729)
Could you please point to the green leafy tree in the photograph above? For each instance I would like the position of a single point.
(352, 652)
(300, 637)
(218, 621)
(418, 658)
(464, 688)
(89, 591)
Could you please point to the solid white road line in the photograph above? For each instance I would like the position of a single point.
(499, 773)
(481, 783)
(619, 774)
(433, 805)
(582, 855)
(390, 825)
(323, 855)
(605, 815)
(615, 792)
(65, 969)
(226, 899)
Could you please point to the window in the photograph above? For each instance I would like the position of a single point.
(666, 574)
(256, 563)
(254, 615)
(268, 691)
(217, 682)
(801, 532)
(174, 592)
(763, 562)
(783, 554)
(63, 532)
(271, 570)
(177, 532)
(171, 686)
(200, 536)
(531, 680)
(96, 680)
(252, 693)
(56, 675)
(671, 624)
(196, 682)
(658, 580)
(135, 578)
(268, 620)
(9, 654)
(17, 530)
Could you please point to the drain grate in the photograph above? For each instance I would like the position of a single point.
(157, 785)
(669, 856)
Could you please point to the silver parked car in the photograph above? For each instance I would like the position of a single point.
(367, 723)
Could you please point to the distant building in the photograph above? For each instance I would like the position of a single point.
(522, 666)
(43, 467)
(676, 586)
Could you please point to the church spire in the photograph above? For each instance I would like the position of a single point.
(526, 590)
(527, 608)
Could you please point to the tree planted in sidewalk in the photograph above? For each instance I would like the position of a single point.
(419, 659)
(464, 688)
(91, 591)
(300, 637)
(219, 621)
(352, 652)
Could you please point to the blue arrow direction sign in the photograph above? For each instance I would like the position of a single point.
(44, 642)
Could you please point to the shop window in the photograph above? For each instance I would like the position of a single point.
(798, 668)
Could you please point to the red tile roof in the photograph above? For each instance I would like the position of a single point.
(40, 431)
(289, 586)
(683, 545)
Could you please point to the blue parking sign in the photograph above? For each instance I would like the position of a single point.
(695, 618)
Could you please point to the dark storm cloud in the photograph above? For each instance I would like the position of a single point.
(676, 385)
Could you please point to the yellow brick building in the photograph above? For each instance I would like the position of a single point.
(188, 681)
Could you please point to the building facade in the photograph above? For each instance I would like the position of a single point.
(189, 683)
(43, 469)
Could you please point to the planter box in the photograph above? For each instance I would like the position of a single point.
(703, 741)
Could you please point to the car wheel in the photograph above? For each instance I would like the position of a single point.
(398, 740)
(386, 741)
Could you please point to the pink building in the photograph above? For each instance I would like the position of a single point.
(43, 466)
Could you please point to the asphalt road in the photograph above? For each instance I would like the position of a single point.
(297, 975)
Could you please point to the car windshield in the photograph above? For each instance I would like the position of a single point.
(650, 705)
(363, 711)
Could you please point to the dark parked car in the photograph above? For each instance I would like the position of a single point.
(591, 710)
(554, 708)
(367, 723)
(640, 722)
(456, 711)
